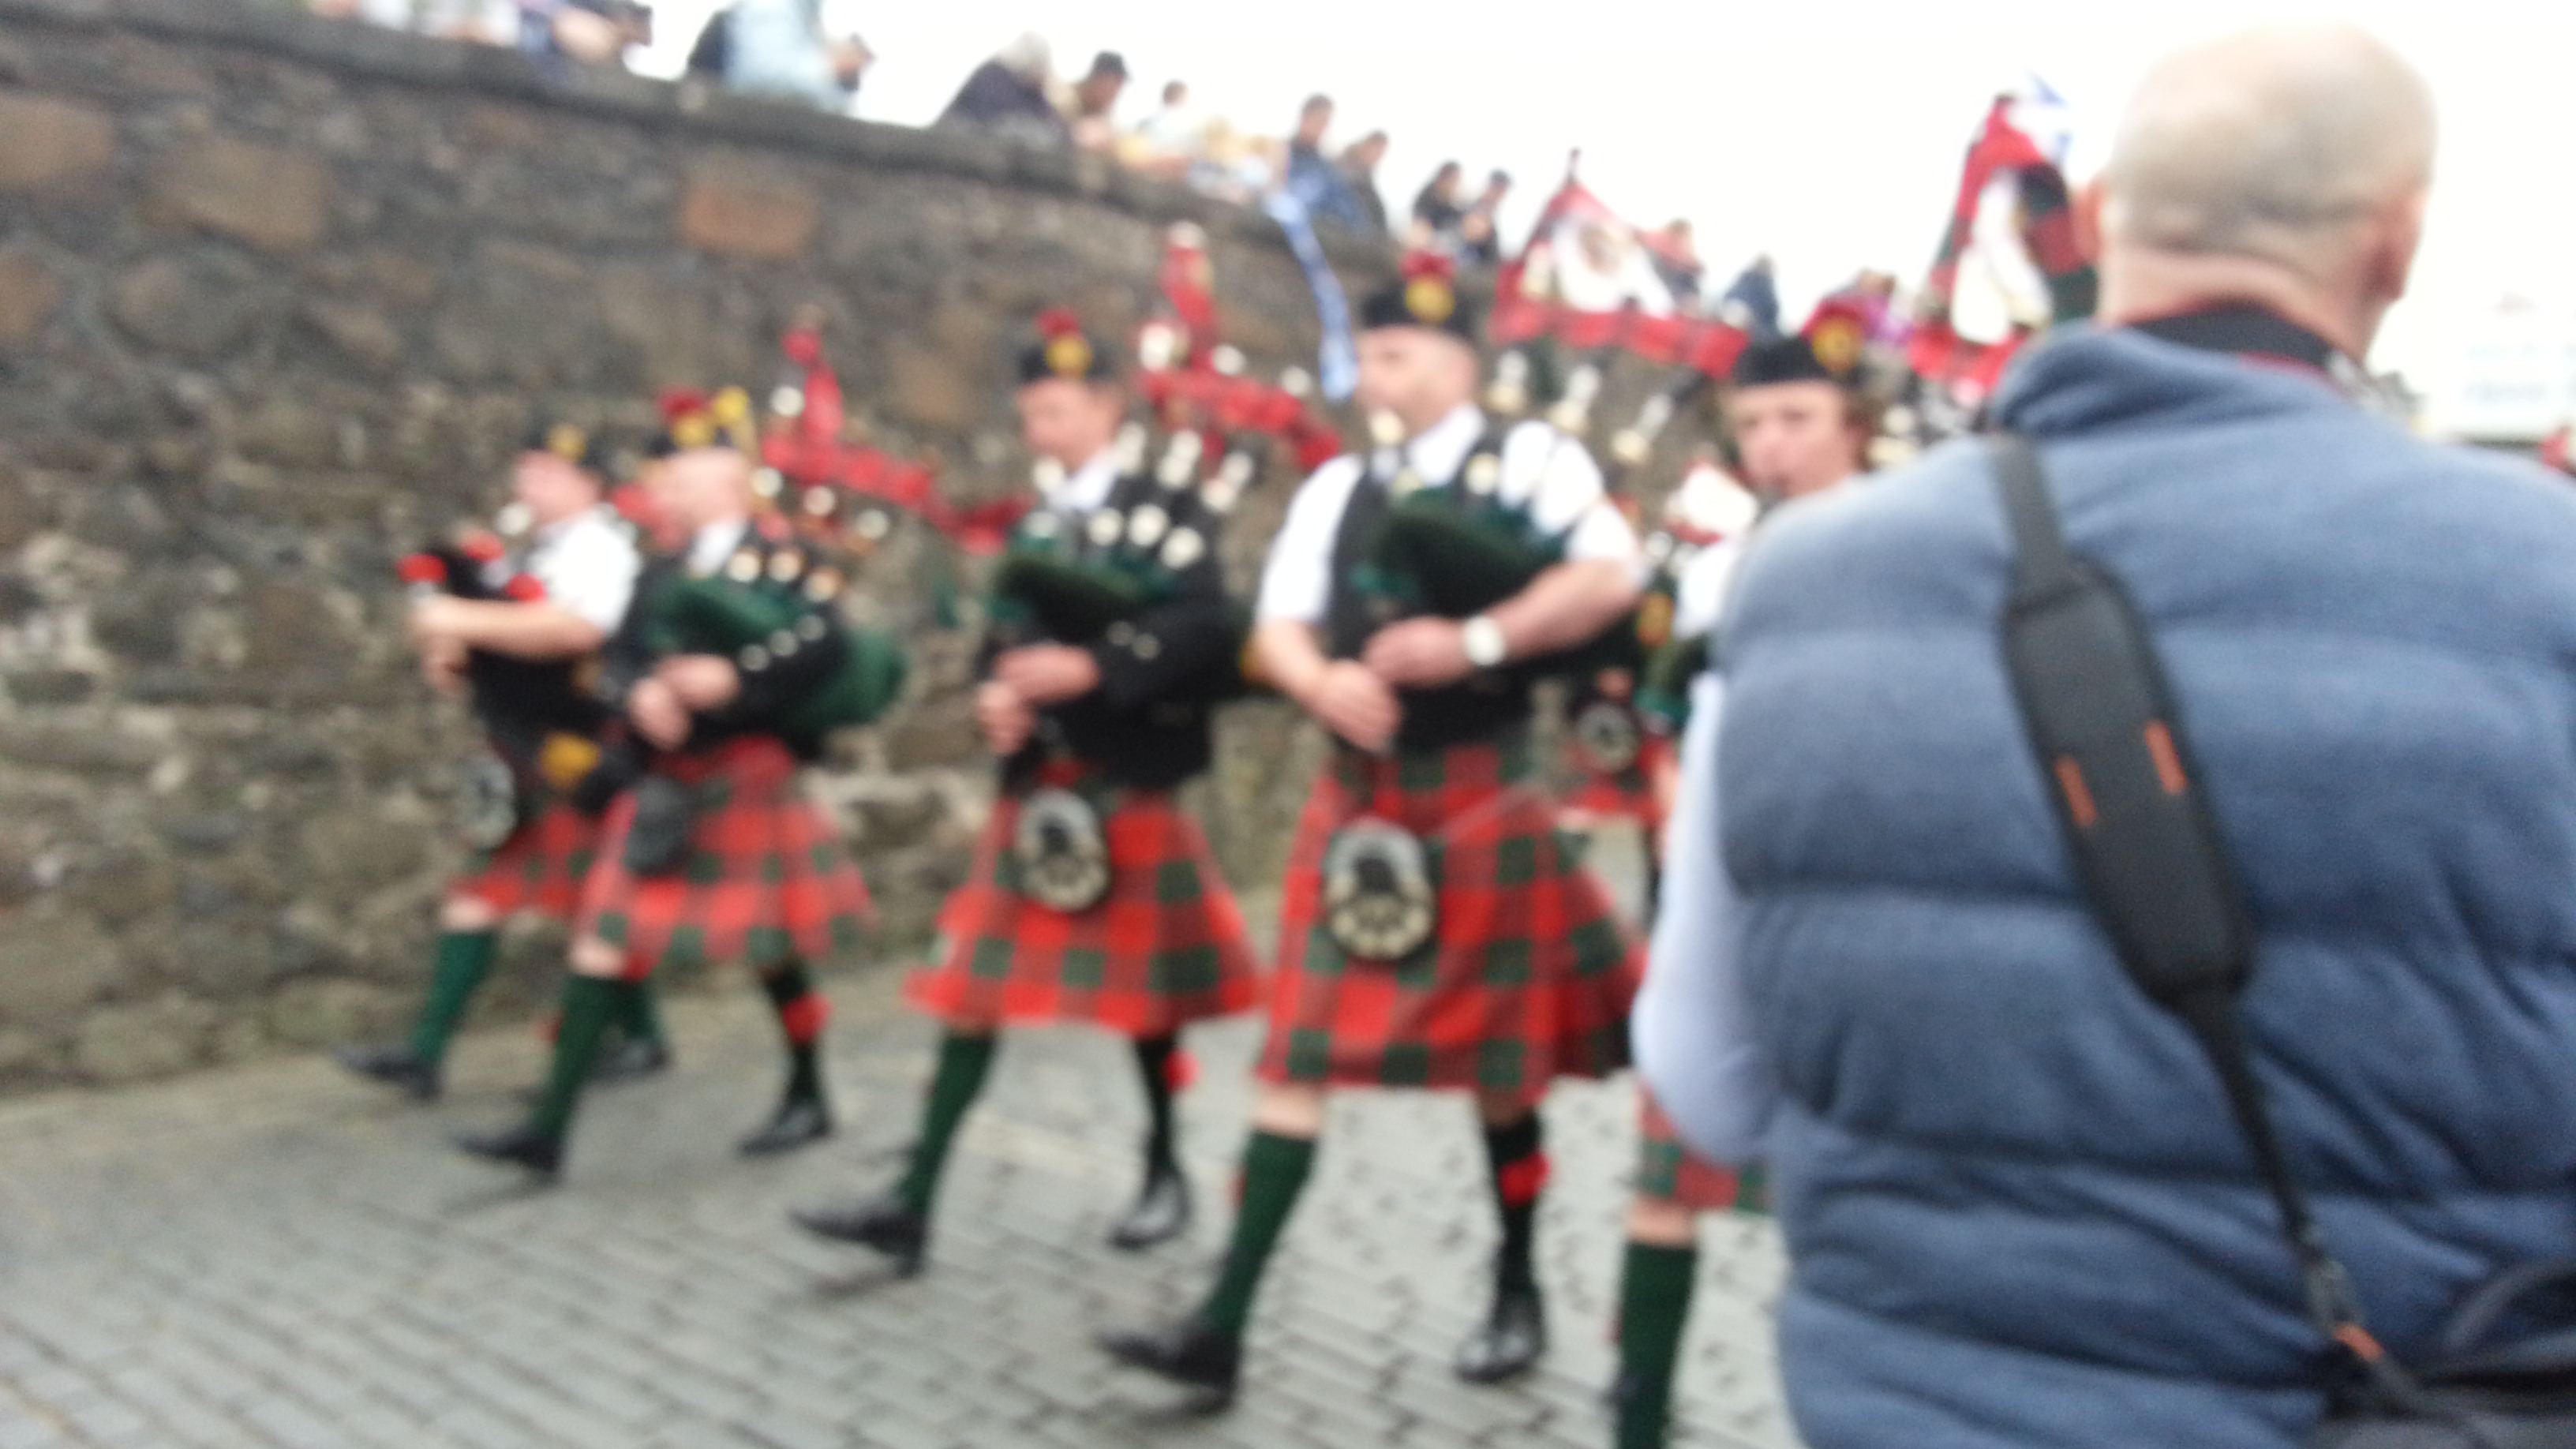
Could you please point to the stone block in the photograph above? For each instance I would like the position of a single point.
(356, 849)
(29, 293)
(747, 216)
(198, 307)
(276, 198)
(363, 334)
(57, 963)
(147, 1039)
(318, 1013)
(52, 142)
(934, 391)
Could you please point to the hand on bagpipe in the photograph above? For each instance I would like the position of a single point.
(544, 728)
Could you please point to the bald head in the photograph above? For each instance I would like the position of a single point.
(2301, 150)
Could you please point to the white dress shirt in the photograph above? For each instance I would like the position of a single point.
(587, 565)
(1087, 487)
(1543, 469)
(715, 543)
(1691, 1026)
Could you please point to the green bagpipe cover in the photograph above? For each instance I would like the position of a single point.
(717, 615)
(1442, 553)
(1663, 696)
(1038, 592)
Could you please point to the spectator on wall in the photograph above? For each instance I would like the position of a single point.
(1094, 121)
(779, 48)
(1359, 165)
(1480, 235)
(1007, 96)
(1437, 210)
(1312, 175)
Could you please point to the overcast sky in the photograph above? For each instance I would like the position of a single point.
(1827, 135)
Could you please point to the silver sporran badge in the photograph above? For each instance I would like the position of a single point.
(1062, 854)
(1608, 733)
(1379, 904)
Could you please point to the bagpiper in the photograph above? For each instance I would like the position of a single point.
(1093, 896)
(1437, 932)
(731, 669)
(512, 616)
(1800, 427)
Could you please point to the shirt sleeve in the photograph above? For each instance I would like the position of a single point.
(1693, 1029)
(1700, 597)
(1555, 474)
(591, 576)
(1297, 581)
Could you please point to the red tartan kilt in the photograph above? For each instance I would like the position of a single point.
(1528, 976)
(1668, 1169)
(1629, 792)
(770, 879)
(539, 868)
(1165, 947)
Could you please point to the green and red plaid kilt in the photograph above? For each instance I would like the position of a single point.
(768, 878)
(1528, 974)
(539, 868)
(1667, 1169)
(1165, 947)
(1629, 792)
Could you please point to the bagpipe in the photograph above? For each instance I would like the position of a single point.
(542, 726)
(775, 615)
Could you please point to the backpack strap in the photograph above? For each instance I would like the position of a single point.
(2098, 711)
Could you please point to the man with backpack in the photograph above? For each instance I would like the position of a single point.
(2017, 1198)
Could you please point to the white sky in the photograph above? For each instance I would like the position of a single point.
(1828, 135)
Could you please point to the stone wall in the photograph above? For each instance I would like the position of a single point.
(277, 297)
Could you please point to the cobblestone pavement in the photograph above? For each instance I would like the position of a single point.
(278, 1256)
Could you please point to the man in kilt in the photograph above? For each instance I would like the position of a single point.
(714, 855)
(1093, 897)
(1436, 930)
(1800, 427)
(552, 596)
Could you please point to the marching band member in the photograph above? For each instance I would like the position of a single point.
(512, 624)
(1800, 428)
(1436, 930)
(1094, 897)
(731, 667)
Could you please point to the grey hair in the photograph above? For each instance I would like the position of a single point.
(2272, 143)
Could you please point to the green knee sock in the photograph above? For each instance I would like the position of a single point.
(589, 1004)
(1654, 1302)
(464, 959)
(641, 1020)
(1274, 1172)
(1518, 1160)
(963, 1061)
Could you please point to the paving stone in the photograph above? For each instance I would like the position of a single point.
(272, 1256)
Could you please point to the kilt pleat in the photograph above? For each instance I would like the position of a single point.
(1164, 947)
(1668, 1169)
(768, 878)
(540, 867)
(1528, 974)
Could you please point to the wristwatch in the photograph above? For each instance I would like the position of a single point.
(1483, 641)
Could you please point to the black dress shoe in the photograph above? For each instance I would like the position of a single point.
(395, 1066)
(630, 1059)
(886, 1223)
(800, 1120)
(1509, 1343)
(520, 1146)
(1191, 1352)
(1161, 1213)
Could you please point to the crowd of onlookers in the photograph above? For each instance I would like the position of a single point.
(783, 48)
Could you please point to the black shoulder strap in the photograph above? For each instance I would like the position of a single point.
(2098, 710)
